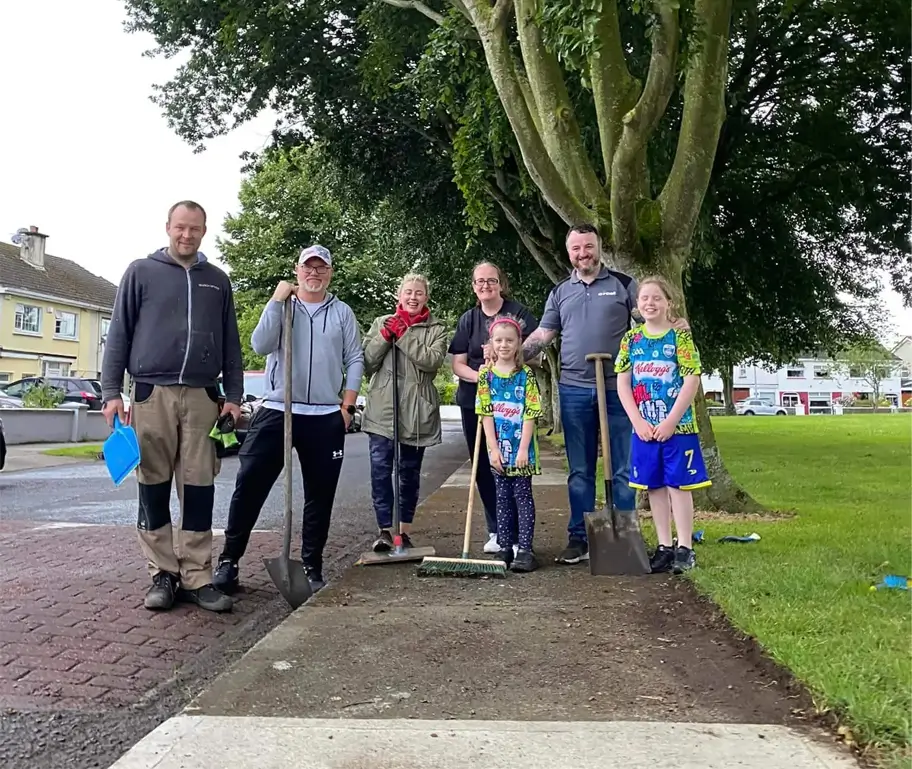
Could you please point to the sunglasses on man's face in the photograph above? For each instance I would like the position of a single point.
(321, 269)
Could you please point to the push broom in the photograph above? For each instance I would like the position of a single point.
(435, 566)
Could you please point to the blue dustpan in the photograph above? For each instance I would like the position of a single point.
(121, 452)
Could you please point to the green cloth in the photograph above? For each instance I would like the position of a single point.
(225, 440)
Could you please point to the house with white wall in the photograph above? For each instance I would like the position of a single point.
(815, 382)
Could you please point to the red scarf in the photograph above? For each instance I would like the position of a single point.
(410, 319)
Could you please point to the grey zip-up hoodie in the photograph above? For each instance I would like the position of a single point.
(173, 326)
(326, 353)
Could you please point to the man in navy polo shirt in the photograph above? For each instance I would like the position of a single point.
(591, 310)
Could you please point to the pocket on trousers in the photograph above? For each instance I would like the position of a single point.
(142, 392)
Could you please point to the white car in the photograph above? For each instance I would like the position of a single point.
(759, 407)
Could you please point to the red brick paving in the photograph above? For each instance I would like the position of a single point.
(73, 630)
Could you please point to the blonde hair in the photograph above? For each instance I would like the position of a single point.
(414, 277)
(517, 324)
(665, 287)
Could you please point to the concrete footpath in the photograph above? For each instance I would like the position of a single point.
(548, 670)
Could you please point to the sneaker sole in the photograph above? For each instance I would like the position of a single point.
(572, 561)
(159, 608)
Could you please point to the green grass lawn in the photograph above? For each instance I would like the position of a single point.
(803, 590)
(82, 451)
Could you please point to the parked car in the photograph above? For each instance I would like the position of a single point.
(759, 407)
(75, 389)
(9, 402)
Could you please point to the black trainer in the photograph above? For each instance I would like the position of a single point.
(407, 541)
(225, 576)
(315, 577)
(662, 559)
(576, 551)
(524, 562)
(506, 556)
(208, 598)
(383, 543)
(684, 560)
(161, 595)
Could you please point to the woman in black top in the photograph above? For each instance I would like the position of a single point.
(493, 291)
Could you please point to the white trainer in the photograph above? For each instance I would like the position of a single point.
(491, 545)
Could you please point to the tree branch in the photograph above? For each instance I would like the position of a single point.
(639, 125)
(544, 256)
(535, 156)
(417, 5)
(502, 10)
(701, 122)
(556, 117)
(613, 88)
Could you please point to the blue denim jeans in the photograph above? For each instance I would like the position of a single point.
(381, 460)
(579, 414)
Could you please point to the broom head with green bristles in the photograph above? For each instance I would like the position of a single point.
(433, 566)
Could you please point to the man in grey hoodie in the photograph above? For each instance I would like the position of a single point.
(174, 329)
(327, 366)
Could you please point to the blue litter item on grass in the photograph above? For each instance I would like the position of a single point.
(731, 538)
(121, 452)
(894, 582)
(698, 537)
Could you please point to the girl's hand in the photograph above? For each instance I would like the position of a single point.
(522, 457)
(644, 430)
(664, 430)
(496, 461)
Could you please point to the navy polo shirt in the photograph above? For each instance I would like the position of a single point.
(590, 318)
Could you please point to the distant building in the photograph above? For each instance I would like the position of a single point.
(54, 314)
(903, 351)
(815, 382)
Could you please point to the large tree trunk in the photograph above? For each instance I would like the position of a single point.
(553, 368)
(728, 389)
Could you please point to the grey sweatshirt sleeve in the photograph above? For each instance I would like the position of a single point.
(232, 356)
(120, 335)
(268, 332)
(352, 354)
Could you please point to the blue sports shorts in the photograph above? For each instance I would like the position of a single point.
(678, 463)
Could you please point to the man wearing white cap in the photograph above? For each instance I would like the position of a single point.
(327, 359)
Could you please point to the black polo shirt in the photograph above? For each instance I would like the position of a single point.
(472, 333)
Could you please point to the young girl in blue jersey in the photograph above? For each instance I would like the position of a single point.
(658, 370)
(509, 403)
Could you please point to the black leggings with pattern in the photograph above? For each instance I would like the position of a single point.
(515, 511)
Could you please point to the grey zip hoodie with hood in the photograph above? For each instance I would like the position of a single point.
(326, 352)
(173, 326)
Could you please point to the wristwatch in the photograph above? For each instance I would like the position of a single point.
(350, 409)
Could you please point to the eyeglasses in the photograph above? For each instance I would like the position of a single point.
(486, 281)
(321, 269)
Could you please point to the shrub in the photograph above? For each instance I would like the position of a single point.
(447, 392)
(42, 397)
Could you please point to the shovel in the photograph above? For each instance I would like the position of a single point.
(289, 576)
(399, 552)
(616, 543)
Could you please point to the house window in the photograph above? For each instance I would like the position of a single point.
(56, 369)
(65, 324)
(105, 325)
(822, 372)
(28, 319)
(856, 372)
(5, 376)
(794, 373)
(742, 371)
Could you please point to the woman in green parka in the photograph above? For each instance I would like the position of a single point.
(420, 342)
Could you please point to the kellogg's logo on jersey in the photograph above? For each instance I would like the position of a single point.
(507, 410)
(654, 369)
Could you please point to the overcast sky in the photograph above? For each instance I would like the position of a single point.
(87, 157)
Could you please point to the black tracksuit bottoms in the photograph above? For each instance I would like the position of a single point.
(320, 444)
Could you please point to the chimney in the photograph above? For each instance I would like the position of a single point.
(32, 248)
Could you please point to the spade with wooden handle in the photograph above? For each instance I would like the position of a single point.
(616, 544)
